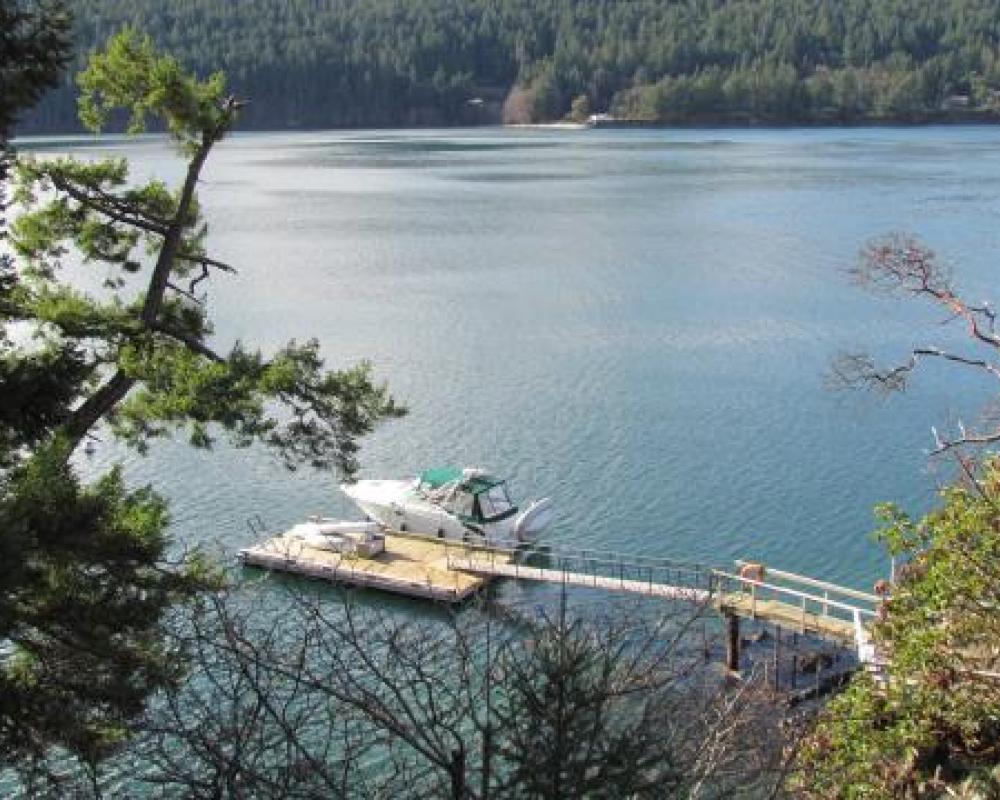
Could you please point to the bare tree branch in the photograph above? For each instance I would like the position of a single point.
(322, 699)
(900, 264)
(185, 293)
(207, 262)
(859, 370)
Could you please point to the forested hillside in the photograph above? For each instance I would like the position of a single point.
(312, 63)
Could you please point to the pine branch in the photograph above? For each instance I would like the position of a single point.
(111, 206)
(193, 344)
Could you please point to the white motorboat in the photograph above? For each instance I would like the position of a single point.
(448, 503)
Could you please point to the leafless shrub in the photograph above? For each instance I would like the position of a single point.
(901, 265)
(315, 697)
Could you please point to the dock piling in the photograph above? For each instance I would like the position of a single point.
(732, 643)
(777, 657)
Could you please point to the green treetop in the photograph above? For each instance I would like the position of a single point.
(931, 728)
(146, 364)
(331, 63)
(84, 578)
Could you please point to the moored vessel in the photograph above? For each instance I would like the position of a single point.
(469, 505)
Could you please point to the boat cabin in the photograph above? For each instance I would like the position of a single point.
(472, 495)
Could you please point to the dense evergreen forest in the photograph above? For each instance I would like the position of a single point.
(331, 63)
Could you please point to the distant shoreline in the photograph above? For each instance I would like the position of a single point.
(761, 124)
(874, 124)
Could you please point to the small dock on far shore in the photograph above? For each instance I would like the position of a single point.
(411, 565)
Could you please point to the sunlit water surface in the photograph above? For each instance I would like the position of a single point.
(636, 323)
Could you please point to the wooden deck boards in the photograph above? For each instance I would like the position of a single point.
(410, 565)
(787, 616)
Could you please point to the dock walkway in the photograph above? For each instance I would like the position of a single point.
(794, 602)
(451, 571)
(478, 565)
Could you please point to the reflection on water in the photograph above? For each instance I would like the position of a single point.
(636, 323)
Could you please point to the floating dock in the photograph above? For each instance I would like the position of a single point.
(416, 566)
(450, 571)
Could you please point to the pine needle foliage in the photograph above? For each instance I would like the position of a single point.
(89, 574)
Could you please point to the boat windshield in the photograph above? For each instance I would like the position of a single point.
(460, 503)
(495, 503)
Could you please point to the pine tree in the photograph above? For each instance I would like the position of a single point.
(87, 574)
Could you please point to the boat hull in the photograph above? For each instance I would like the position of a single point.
(400, 507)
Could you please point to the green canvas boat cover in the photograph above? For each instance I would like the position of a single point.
(439, 476)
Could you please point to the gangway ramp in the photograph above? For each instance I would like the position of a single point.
(794, 602)
(598, 569)
(481, 566)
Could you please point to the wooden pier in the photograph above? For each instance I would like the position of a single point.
(786, 615)
(412, 565)
(797, 603)
(451, 571)
(786, 600)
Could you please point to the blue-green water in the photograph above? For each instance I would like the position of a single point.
(637, 323)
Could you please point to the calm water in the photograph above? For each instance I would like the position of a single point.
(637, 323)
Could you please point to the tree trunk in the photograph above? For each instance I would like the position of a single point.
(457, 771)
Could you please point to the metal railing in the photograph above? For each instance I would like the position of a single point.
(629, 570)
(812, 609)
(784, 595)
(835, 602)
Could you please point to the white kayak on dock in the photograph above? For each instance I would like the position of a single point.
(363, 539)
